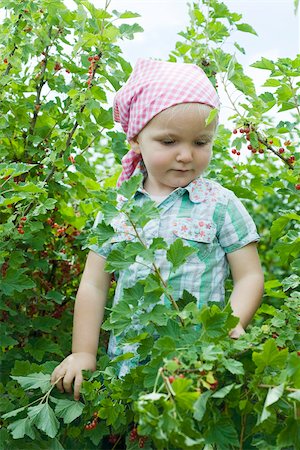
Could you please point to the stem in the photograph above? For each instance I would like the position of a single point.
(269, 147)
(273, 386)
(243, 427)
(157, 271)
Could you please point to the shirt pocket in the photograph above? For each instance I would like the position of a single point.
(198, 233)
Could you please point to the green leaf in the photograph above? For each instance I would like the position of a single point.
(221, 393)
(178, 254)
(292, 282)
(34, 381)
(264, 63)
(246, 28)
(20, 428)
(270, 356)
(222, 434)
(129, 187)
(274, 394)
(13, 413)
(233, 366)
(211, 117)
(200, 405)
(68, 410)
(16, 281)
(43, 417)
(272, 82)
(290, 435)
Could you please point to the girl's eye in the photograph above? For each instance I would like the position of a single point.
(201, 143)
(167, 142)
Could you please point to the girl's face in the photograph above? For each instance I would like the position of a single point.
(176, 147)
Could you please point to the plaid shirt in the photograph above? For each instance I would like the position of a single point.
(206, 216)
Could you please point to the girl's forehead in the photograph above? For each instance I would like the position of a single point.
(191, 115)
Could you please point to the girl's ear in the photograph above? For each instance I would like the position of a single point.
(135, 146)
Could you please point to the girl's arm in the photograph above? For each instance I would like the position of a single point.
(88, 315)
(248, 281)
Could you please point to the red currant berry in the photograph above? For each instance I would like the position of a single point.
(90, 58)
(235, 131)
(20, 230)
(275, 335)
(241, 130)
(281, 150)
(23, 219)
(233, 151)
(271, 142)
(171, 379)
(261, 150)
(254, 150)
(249, 147)
(297, 186)
(96, 58)
(238, 153)
(5, 61)
(214, 385)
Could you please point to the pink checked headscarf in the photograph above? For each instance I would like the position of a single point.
(152, 87)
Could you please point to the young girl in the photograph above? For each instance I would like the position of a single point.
(163, 108)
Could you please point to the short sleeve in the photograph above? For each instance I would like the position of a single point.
(104, 249)
(238, 228)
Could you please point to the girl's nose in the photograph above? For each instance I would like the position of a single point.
(184, 155)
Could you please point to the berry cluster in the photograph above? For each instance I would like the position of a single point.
(171, 378)
(91, 425)
(133, 436)
(57, 66)
(20, 227)
(247, 130)
(93, 60)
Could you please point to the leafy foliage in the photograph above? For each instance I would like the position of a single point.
(195, 387)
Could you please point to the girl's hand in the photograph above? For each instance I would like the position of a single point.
(69, 370)
(236, 332)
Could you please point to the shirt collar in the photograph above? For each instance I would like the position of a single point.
(195, 188)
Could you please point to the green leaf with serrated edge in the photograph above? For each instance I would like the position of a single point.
(178, 254)
(200, 405)
(43, 417)
(295, 395)
(292, 282)
(14, 169)
(233, 366)
(245, 28)
(68, 410)
(34, 381)
(20, 428)
(158, 315)
(222, 434)
(270, 356)
(274, 394)
(129, 187)
(13, 413)
(16, 281)
(103, 232)
(264, 63)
